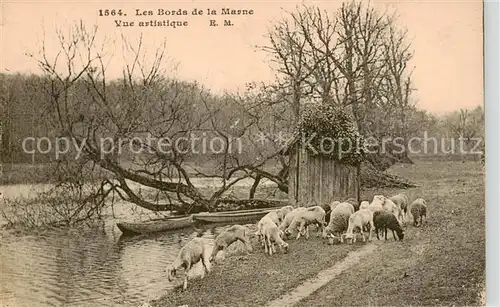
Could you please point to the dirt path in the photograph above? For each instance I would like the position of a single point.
(323, 277)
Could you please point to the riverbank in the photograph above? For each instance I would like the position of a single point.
(424, 269)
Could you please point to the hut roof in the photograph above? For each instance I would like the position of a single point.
(328, 121)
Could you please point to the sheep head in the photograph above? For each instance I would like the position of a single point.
(171, 272)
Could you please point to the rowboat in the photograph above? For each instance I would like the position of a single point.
(228, 217)
(163, 224)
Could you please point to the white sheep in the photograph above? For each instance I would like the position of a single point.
(195, 250)
(359, 220)
(334, 204)
(314, 215)
(339, 220)
(377, 203)
(272, 235)
(228, 237)
(418, 210)
(289, 218)
(401, 200)
(276, 216)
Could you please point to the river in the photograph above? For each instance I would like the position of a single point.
(88, 266)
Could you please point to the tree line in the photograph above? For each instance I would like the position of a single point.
(355, 58)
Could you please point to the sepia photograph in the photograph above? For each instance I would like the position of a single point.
(242, 153)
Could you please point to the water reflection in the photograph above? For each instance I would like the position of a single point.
(89, 267)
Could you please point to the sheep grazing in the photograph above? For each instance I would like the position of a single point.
(364, 205)
(401, 200)
(283, 211)
(380, 203)
(272, 235)
(314, 215)
(328, 210)
(290, 217)
(359, 220)
(383, 220)
(276, 216)
(195, 250)
(228, 237)
(418, 210)
(353, 202)
(339, 220)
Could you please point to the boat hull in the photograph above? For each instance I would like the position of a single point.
(229, 217)
(156, 225)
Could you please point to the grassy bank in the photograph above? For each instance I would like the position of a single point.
(442, 263)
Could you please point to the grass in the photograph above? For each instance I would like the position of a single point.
(442, 263)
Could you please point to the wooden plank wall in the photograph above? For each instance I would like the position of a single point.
(321, 180)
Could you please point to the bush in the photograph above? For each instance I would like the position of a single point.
(326, 122)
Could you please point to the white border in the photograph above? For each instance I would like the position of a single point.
(492, 118)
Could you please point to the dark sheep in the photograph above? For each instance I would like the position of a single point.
(339, 224)
(418, 210)
(383, 220)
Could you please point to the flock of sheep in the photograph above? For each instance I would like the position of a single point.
(336, 222)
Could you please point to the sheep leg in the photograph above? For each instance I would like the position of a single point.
(185, 284)
(393, 234)
(307, 232)
(376, 231)
(385, 231)
(301, 228)
(372, 227)
(206, 261)
(265, 245)
(270, 246)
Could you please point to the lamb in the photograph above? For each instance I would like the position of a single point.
(384, 220)
(358, 220)
(418, 210)
(339, 220)
(195, 250)
(401, 200)
(228, 237)
(313, 215)
(272, 235)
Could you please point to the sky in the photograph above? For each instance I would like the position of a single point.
(447, 39)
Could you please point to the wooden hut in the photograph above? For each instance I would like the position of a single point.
(319, 179)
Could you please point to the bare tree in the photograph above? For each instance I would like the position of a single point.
(111, 119)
